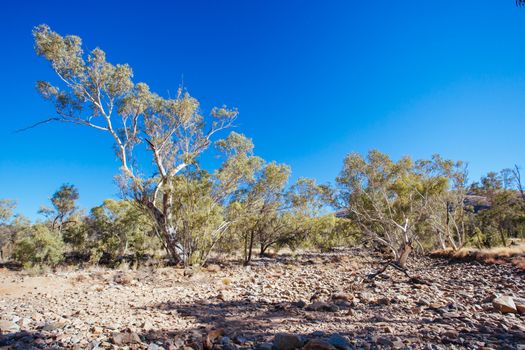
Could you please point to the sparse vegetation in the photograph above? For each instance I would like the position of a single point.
(208, 246)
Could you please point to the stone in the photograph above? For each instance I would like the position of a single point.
(520, 305)
(213, 268)
(299, 304)
(125, 338)
(366, 297)
(343, 296)
(24, 322)
(322, 306)
(287, 341)
(211, 336)
(8, 327)
(97, 330)
(317, 344)
(147, 326)
(382, 301)
(340, 342)
(51, 326)
(504, 304)
(264, 346)
(384, 341)
(397, 344)
(451, 334)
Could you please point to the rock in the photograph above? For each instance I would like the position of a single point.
(211, 336)
(153, 346)
(451, 334)
(520, 305)
(366, 297)
(384, 341)
(317, 344)
(240, 340)
(299, 304)
(397, 344)
(264, 346)
(51, 326)
(322, 306)
(96, 330)
(340, 342)
(504, 304)
(342, 296)
(286, 341)
(125, 338)
(382, 301)
(178, 342)
(8, 327)
(213, 268)
(147, 326)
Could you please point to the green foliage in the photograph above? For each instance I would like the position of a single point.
(64, 207)
(198, 216)
(118, 228)
(6, 210)
(101, 95)
(389, 200)
(41, 246)
(11, 227)
(328, 232)
(504, 215)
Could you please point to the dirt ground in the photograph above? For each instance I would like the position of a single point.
(308, 296)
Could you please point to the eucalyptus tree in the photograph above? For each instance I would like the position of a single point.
(256, 208)
(7, 231)
(447, 212)
(7, 207)
(388, 200)
(64, 207)
(100, 95)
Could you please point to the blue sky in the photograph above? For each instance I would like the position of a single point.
(312, 80)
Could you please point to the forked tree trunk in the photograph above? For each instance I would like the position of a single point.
(165, 232)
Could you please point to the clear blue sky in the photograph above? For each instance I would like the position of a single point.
(313, 80)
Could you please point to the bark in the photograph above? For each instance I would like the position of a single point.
(403, 255)
(250, 248)
(166, 232)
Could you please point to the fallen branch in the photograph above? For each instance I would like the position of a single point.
(415, 280)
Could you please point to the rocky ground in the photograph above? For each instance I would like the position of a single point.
(315, 301)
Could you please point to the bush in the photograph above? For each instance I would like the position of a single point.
(41, 246)
(116, 229)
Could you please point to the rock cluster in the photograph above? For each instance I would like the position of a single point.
(309, 301)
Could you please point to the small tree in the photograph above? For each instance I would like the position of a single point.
(447, 216)
(6, 210)
(255, 208)
(117, 228)
(388, 200)
(41, 246)
(64, 207)
(8, 232)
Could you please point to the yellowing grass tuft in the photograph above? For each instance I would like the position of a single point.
(514, 254)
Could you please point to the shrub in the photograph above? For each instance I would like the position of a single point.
(41, 246)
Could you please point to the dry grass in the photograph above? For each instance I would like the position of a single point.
(514, 254)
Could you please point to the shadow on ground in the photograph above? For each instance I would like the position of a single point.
(247, 324)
